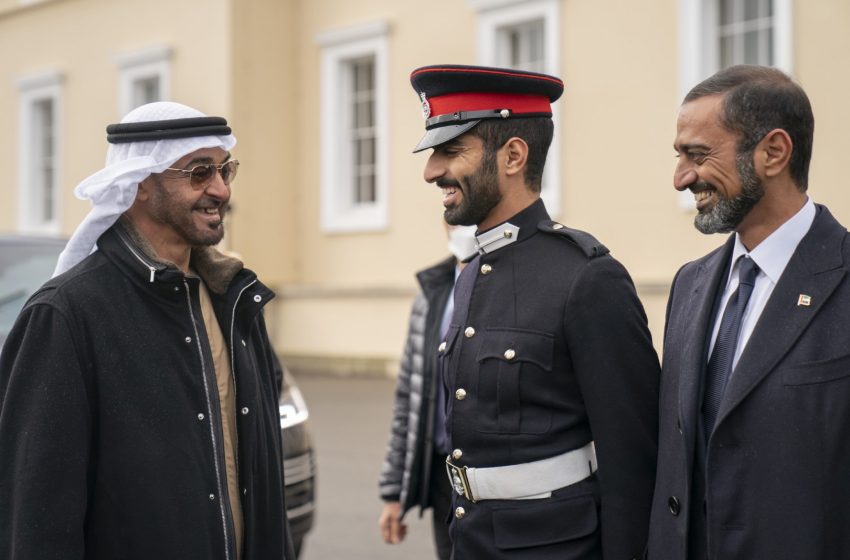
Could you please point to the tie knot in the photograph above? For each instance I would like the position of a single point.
(747, 271)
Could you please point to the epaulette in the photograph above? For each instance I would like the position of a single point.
(591, 246)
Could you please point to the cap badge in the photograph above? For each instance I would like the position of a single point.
(426, 107)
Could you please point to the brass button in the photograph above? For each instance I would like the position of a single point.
(460, 394)
(457, 454)
(557, 226)
(469, 332)
(486, 269)
(460, 512)
(442, 347)
(508, 234)
(510, 354)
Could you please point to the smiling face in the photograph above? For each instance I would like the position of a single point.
(724, 182)
(468, 178)
(189, 215)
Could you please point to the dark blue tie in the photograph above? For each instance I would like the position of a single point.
(720, 363)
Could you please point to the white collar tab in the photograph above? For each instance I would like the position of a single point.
(496, 238)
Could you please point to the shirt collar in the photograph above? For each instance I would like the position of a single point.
(772, 254)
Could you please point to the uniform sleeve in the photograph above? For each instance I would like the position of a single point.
(618, 371)
(392, 470)
(45, 431)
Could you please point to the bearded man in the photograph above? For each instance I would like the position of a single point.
(550, 374)
(755, 396)
(138, 388)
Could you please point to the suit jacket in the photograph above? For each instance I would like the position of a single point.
(776, 466)
(581, 367)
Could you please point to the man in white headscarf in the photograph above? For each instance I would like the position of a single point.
(138, 388)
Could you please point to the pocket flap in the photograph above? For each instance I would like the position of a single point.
(544, 523)
(515, 345)
(822, 371)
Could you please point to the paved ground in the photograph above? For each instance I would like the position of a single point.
(350, 420)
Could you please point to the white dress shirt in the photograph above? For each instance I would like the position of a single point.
(771, 256)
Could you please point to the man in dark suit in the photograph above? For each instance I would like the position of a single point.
(548, 364)
(754, 449)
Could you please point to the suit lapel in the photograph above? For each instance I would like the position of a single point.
(699, 319)
(815, 270)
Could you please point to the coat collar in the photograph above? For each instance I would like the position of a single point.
(215, 269)
(518, 227)
(710, 273)
(437, 276)
(816, 269)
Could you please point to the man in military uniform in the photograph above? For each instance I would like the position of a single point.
(551, 377)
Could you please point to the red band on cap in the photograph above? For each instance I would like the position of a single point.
(478, 101)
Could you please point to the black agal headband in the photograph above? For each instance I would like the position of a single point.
(121, 133)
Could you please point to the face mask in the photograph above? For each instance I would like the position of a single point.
(462, 242)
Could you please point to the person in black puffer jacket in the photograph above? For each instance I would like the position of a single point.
(413, 473)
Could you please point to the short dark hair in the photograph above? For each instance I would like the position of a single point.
(535, 131)
(758, 99)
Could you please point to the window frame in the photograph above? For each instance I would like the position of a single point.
(153, 62)
(339, 212)
(493, 17)
(32, 90)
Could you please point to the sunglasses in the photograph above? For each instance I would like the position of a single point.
(201, 175)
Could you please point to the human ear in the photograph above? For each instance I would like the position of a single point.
(143, 193)
(515, 155)
(774, 152)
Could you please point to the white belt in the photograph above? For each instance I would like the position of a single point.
(525, 481)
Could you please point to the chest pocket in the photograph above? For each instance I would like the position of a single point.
(514, 365)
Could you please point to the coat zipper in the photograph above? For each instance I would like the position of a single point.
(223, 496)
(141, 259)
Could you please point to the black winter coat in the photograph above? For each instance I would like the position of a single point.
(406, 471)
(110, 432)
(554, 352)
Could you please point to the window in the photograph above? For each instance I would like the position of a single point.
(745, 32)
(361, 84)
(523, 34)
(522, 46)
(145, 77)
(714, 34)
(39, 153)
(354, 128)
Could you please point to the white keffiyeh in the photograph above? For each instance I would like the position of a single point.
(112, 190)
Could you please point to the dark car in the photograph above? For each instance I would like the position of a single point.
(27, 262)
(299, 465)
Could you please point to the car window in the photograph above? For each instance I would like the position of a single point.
(24, 266)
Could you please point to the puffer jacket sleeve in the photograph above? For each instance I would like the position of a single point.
(45, 424)
(392, 471)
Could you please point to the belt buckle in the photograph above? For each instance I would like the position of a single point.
(459, 480)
